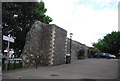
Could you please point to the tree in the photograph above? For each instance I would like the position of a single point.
(17, 19)
(92, 51)
(110, 43)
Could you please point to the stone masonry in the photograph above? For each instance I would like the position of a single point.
(45, 45)
(59, 47)
(75, 47)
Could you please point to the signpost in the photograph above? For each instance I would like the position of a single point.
(9, 39)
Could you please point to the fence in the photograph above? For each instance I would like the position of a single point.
(12, 64)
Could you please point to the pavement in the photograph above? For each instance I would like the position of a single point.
(80, 69)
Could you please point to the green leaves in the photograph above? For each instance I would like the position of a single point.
(27, 13)
(46, 18)
(110, 43)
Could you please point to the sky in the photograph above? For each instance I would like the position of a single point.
(88, 20)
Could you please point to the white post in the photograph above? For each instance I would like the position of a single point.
(7, 60)
(8, 43)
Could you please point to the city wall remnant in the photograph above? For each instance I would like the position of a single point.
(47, 45)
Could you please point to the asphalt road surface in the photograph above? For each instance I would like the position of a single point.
(0, 73)
(80, 69)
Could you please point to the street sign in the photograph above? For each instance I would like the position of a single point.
(8, 38)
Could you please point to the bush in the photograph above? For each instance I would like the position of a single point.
(81, 54)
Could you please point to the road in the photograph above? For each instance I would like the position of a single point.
(0, 73)
(80, 69)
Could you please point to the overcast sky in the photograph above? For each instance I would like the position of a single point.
(88, 20)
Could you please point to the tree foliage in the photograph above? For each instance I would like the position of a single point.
(17, 18)
(110, 43)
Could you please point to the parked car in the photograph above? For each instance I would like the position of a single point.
(112, 56)
(104, 55)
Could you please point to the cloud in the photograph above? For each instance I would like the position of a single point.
(99, 4)
(88, 20)
(90, 23)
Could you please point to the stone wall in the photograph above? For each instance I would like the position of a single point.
(45, 44)
(59, 46)
(33, 47)
(75, 47)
